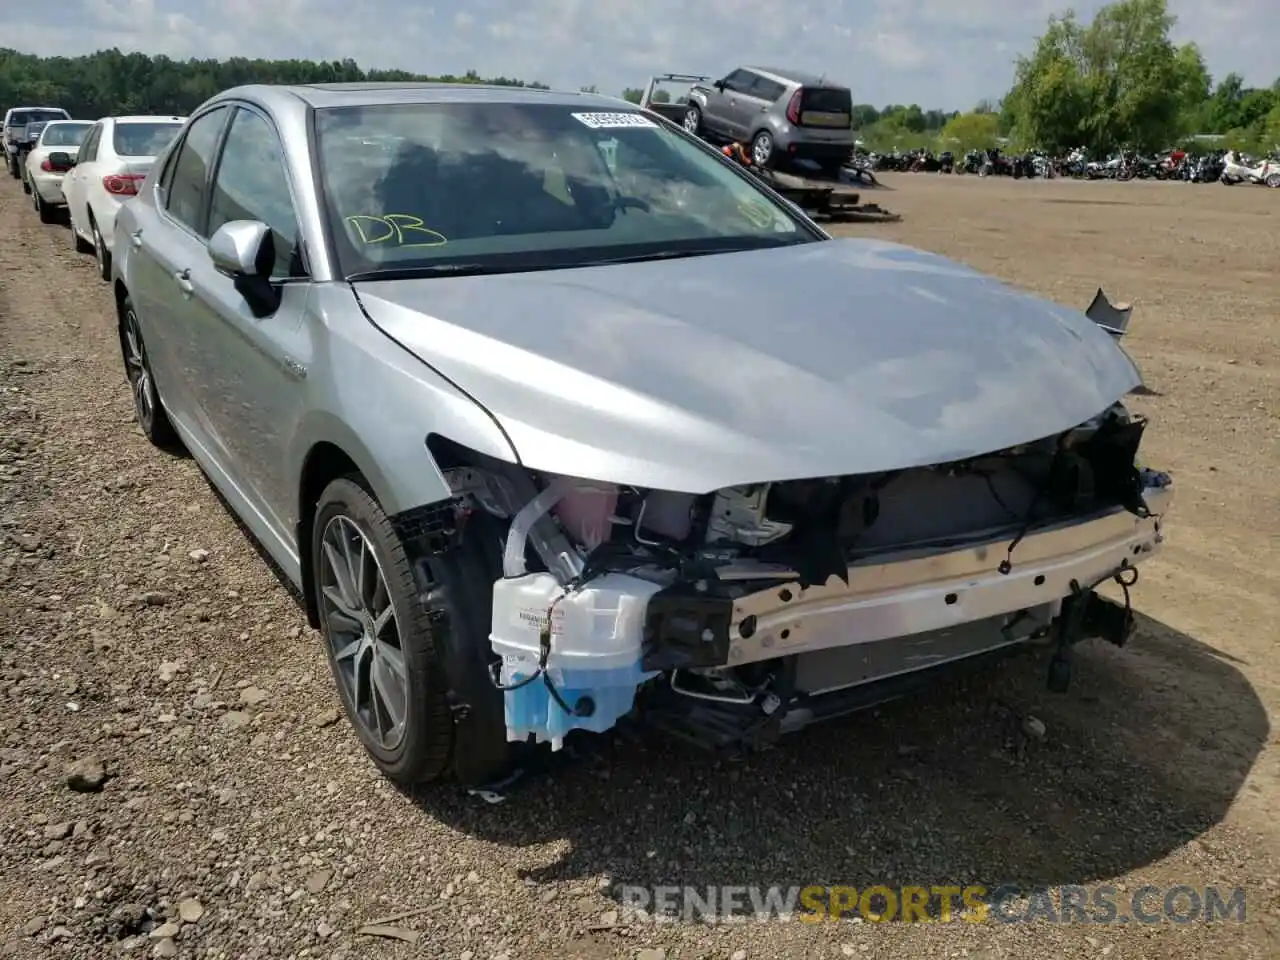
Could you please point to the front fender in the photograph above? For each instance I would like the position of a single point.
(378, 403)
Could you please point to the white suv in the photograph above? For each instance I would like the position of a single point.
(114, 159)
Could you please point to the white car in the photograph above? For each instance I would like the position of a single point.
(114, 160)
(46, 169)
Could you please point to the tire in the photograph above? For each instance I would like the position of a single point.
(425, 745)
(26, 184)
(692, 121)
(762, 149)
(1273, 180)
(78, 243)
(100, 251)
(13, 167)
(148, 409)
(47, 212)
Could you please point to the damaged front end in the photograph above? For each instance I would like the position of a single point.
(734, 616)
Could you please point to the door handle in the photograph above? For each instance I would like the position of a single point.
(135, 238)
(183, 278)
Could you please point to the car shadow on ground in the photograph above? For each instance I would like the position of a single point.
(955, 786)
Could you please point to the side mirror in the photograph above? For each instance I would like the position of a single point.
(242, 248)
(61, 161)
(719, 85)
(245, 251)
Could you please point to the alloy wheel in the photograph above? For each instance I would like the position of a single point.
(138, 372)
(761, 150)
(363, 633)
(692, 120)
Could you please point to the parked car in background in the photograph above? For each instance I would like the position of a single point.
(14, 134)
(114, 160)
(510, 404)
(30, 134)
(784, 115)
(52, 156)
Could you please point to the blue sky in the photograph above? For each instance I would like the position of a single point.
(938, 53)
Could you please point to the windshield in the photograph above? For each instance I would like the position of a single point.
(65, 134)
(500, 186)
(20, 118)
(138, 138)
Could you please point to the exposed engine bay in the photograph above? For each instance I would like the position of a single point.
(741, 614)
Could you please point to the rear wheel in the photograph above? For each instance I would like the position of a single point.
(13, 167)
(100, 250)
(1273, 180)
(46, 211)
(78, 242)
(393, 656)
(762, 148)
(152, 419)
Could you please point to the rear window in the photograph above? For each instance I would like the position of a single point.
(65, 134)
(826, 100)
(143, 139)
(20, 118)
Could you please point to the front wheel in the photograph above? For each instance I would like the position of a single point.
(693, 120)
(402, 657)
(1273, 180)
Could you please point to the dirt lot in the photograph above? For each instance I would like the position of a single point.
(142, 631)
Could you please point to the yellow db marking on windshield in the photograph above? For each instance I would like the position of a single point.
(406, 230)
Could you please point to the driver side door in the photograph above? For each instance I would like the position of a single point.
(722, 104)
(255, 365)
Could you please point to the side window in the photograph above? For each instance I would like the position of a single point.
(766, 89)
(251, 184)
(188, 184)
(89, 149)
(739, 81)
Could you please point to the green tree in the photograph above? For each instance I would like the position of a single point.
(109, 82)
(1118, 82)
(970, 131)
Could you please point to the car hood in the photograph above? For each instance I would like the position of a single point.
(838, 357)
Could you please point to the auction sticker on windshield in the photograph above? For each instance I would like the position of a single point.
(613, 121)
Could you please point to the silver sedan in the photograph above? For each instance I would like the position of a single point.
(557, 419)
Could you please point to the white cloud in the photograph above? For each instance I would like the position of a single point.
(939, 53)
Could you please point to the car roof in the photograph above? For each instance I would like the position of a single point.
(795, 76)
(13, 110)
(321, 95)
(145, 118)
(63, 123)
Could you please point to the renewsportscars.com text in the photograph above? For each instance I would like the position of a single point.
(973, 903)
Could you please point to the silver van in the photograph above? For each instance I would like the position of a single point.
(783, 114)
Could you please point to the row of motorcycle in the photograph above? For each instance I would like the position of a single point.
(1222, 166)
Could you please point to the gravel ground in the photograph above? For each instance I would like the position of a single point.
(175, 780)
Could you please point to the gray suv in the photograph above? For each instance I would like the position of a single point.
(784, 115)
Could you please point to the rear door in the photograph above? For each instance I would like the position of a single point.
(757, 102)
(169, 250)
(74, 184)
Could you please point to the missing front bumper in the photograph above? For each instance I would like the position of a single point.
(735, 621)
